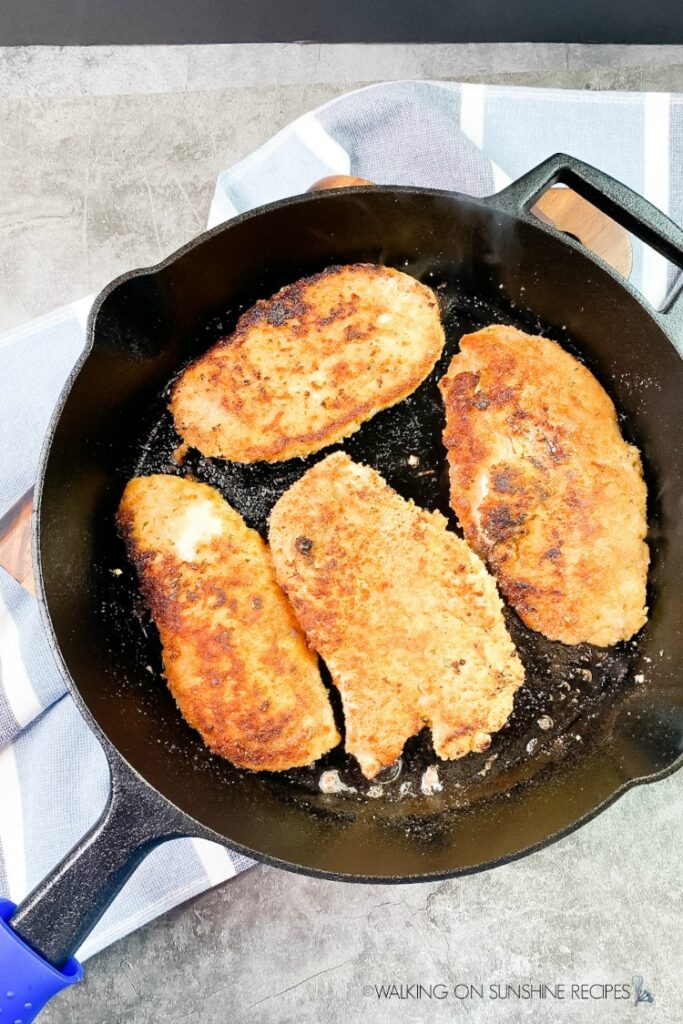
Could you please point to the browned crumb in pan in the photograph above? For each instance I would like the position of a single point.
(405, 615)
(234, 656)
(308, 366)
(545, 487)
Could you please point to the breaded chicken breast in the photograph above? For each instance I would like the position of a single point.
(308, 366)
(406, 617)
(234, 656)
(546, 489)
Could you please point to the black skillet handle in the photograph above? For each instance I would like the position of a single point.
(613, 198)
(40, 937)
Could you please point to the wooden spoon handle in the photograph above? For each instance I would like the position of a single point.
(15, 542)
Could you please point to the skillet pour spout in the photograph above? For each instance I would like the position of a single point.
(488, 261)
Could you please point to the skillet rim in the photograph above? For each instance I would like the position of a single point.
(116, 761)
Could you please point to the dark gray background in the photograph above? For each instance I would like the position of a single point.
(92, 22)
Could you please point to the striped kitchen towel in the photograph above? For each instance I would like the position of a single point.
(475, 139)
(53, 775)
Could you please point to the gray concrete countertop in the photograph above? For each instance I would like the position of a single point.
(108, 161)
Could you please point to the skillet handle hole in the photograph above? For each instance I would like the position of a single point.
(655, 277)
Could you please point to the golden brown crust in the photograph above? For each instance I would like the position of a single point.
(234, 656)
(306, 367)
(545, 487)
(407, 618)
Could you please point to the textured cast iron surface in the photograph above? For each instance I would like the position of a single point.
(572, 687)
(617, 716)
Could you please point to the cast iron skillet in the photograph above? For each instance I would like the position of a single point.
(616, 717)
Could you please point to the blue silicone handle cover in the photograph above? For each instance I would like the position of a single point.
(27, 982)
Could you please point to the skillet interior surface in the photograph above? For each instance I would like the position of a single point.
(587, 722)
